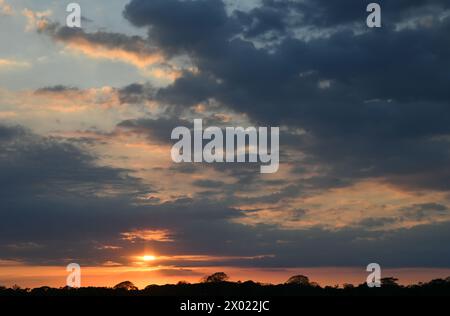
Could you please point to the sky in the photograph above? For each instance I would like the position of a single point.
(86, 116)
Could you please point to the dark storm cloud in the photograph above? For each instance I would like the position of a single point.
(289, 191)
(135, 93)
(132, 44)
(280, 16)
(411, 163)
(54, 195)
(360, 247)
(56, 89)
(269, 18)
(314, 246)
(10, 132)
(157, 129)
(189, 90)
(212, 184)
(56, 220)
(373, 103)
(424, 211)
(377, 222)
(30, 164)
(48, 192)
(332, 13)
(198, 21)
(246, 176)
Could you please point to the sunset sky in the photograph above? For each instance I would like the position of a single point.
(86, 116)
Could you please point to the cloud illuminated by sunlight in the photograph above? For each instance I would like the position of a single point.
(140, 60)
(161, 235)
(36, 20)
(11, 63)
(5, 9)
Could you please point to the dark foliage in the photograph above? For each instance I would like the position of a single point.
(295, 286)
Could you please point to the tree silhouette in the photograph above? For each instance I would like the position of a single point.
(216, 277)
(183, 282)
(215, 285)
(299, 280)
(348, 286)
(389, 281)
(125, 285)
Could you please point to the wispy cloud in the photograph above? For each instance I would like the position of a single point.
(36, 19)
(102, 45)
(9, 64)
(161, 235)
(5, 8)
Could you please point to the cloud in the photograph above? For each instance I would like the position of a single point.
(424, 210)
(325, 13)
(32, 164)
(51, 196)
(279, 18)
(212, 184)
(6, 9)
(371, 104)
(354, 105)
(135, 93)
(56, 89)
(377, 222)
(36, 19)
(149, 235)
(104, 45)
(198, 19)
(8, 133)
(7, 64)
(156, 129)
(59, 99)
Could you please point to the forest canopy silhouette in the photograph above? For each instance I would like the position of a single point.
(218, 284)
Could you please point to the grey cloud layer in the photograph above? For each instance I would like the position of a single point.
(133, 44)
(374, 104)
(58, 219)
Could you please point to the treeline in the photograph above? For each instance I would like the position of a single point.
(218, 284)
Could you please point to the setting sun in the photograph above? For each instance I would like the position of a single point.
(149, 258)
(206, 156)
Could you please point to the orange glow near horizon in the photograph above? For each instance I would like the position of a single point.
(55, 276)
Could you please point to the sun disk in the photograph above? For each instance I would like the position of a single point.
(148, 258)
